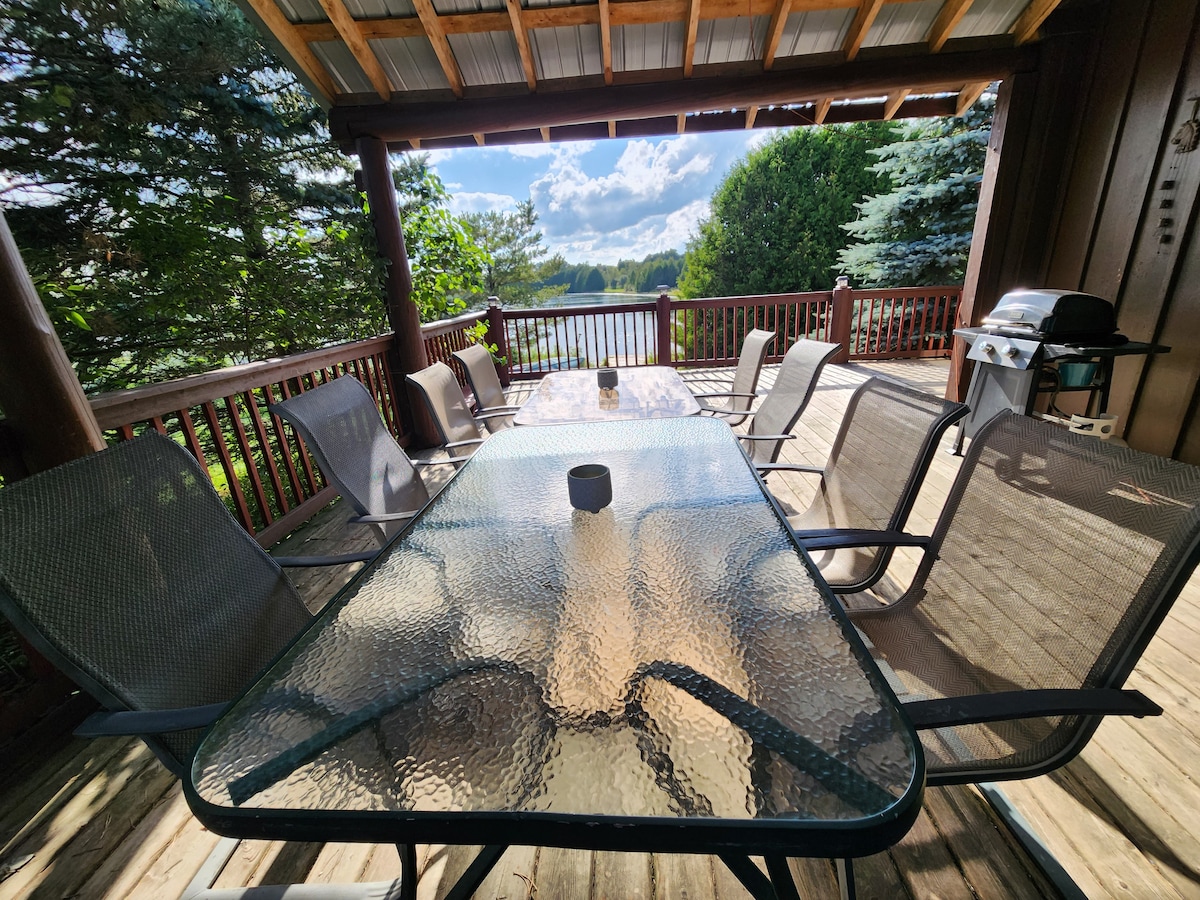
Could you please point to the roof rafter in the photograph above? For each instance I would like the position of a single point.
(968, 95)
(606, 41)
(523, 48)
(863, 20)
(296, 44)
(779, 17)
(947, 20)
(689, 43)
(441, 46)
(892, 105)
(821, 110)
(1027, 24)
(751, 115)
(349, 32)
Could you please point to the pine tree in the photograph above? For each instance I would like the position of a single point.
(919, 232)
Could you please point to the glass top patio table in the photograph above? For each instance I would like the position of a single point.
(669, 674)
(642, 392)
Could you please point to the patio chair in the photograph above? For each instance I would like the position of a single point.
(876, 466)
(745, 379)
(125, 570)
(787, 399)
(457, 428)
(485, 385)
(341, 425)
(1056, 558)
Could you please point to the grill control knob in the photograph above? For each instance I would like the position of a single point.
(986, 347)
(1010, 351)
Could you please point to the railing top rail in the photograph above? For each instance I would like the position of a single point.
(445, 326)
(556, 312)
(932, 290)
(753, 299)
(116, 408)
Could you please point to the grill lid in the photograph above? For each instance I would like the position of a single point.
(1065, 316)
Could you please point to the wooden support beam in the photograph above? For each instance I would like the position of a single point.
(821, 110)
(296, 46)
(692, 24)
(545, 133)
(478, 138)
(1027, 24)
(348, 31)
(779, 16)
(395, 122)
(751, 115)
(416, 142)
(947, 20)
(39, 392)
(523, 48)
(612, 128)
(441, 47)
(968, 95)
(680, 123)
(606, 41)
(892, 105)
(859, 27)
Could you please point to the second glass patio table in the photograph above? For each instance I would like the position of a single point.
(667, 675)
(642, 392)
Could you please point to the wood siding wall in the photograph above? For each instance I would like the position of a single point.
(1085, 157)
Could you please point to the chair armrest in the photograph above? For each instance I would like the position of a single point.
(486, 411)
(109, 723)
(466, 443)
(836, 538)
(434, 462)
(725, 394)
(764, 437)
(383, 517)
(763, 468)
(1005, 705)
(341, 559)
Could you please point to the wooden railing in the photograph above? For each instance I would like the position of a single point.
(263, 473)
(710, 332)
(903, 323)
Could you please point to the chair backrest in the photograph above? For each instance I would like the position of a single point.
(1055, 560)
(745, 376)
(878, 461)
(793, 388)
(126, 571)
(485, 383)
(341, 425)
(444, 398)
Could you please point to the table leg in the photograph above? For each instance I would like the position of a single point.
(845, 874)
(476, 872)
(408, 871)
(779, 886)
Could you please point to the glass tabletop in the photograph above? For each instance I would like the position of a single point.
(574, 395)
(668, 673)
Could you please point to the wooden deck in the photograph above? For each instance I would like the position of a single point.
(104, 819)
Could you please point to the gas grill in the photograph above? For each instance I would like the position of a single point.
(1029, 329)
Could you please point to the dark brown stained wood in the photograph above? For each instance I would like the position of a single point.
(42, 399)
(1106, 108)
(400, 122)
(250, 399)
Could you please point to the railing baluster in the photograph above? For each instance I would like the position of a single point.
(260, 432)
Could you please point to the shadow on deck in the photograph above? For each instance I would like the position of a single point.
(104, 819)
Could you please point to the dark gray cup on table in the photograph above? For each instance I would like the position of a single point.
(606, 378)
(590, 487)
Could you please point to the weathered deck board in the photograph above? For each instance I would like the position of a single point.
(102, 820)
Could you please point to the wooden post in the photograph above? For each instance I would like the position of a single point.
(409, 346)
(497, 334)
(662, 319)
(840, 317)
(42, 398)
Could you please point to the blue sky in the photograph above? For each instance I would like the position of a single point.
(599, 201)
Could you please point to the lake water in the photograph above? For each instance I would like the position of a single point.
(584, 341)
(599, 299)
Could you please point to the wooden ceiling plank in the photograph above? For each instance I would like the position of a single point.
(349, 32)
(867, 11)
(968, 95)
(523, 47)
(689, 44)
(751, 115)
(1027, 24)
(821, 110)
(892, 105)
(947, 20)
(296, 46)
(779, 16)
(606, 41)
(441, 47)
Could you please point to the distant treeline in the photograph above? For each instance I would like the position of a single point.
(635, 276)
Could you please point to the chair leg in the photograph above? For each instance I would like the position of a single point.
(845, 876)
(1020, 828)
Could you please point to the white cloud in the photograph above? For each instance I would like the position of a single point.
(480, 201)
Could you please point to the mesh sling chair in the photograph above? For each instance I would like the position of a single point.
(1056, 558)
(485, 385)
(878, 461)
(745, 379)
(343, 430)
(779, 411)
(125, 570)
(457, 428)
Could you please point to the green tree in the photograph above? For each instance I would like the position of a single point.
(517, 258)
(919, 232)
(775, 221)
